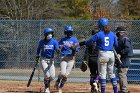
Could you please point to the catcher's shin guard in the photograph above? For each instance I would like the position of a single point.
(114, 83)
(103, 85)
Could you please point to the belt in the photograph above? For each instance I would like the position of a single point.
(66, 54)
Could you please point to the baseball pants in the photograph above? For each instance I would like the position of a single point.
(48, 68)
(67, 65)
(106, 61)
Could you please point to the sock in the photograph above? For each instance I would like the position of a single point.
(103, 85)
(47, 83)
(62, 83)
(97, 79)
(114, 83)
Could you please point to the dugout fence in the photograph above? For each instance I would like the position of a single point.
(19, 40)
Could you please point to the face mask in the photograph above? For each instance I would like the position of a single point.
(117, 34)
(49, 36)
(68, 34)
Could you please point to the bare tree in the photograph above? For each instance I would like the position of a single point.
(28, 9)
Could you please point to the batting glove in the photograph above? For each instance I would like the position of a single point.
(37, 58)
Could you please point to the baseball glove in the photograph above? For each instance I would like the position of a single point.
(84, 66)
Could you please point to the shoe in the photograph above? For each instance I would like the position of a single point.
(123, 92)
(94, 91)
(60, 90)
(47, 90)
(95, 87)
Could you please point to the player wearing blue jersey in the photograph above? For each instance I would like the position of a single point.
(105, 41)
(67, 60)
(46, 48)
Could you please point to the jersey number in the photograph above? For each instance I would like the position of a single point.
(106, 41)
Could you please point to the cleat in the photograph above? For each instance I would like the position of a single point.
(47, 90)
(95, 90)
(60, 90)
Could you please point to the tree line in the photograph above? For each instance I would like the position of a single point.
(69, 9)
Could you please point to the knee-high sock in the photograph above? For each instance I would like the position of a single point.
(103, 85)
(63, 81)
(92, 80)
(114, 83)
(47, 83)
(97, 79)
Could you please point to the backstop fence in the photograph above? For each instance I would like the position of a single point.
(19, 40)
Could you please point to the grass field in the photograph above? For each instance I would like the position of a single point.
(7, 86)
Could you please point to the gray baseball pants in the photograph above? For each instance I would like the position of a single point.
(106, 61)
(48, 68)
(66, 64)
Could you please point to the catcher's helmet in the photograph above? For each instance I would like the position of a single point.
(68, 28)
(102, 22)
(47, 30)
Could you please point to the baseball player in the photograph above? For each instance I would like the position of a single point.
(125, 50)
(91, 55)
(47, 47)
(67, 56)
(105, 41)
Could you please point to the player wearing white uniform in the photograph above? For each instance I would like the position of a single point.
(47, 47)
(67, 59)
(105, 41)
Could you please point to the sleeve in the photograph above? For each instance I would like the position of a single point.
(92, 39)
(127, 46)
(76, 42)
(115, 42)
(57, 46)
(60, 43)
(85, 54)
(39, 48)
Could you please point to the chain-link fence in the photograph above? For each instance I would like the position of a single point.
(19, 41)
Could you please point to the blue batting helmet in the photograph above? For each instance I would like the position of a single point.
(47, 30)
(102, 22)
(68, 28)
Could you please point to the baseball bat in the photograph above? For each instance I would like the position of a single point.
(117, 56)
(32, 74)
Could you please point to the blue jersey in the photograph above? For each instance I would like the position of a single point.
(104, 41)
(47, 48)
(67, 50)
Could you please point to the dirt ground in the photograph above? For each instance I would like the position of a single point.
(37, 87)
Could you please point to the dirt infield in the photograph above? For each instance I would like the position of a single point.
(37, 87)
